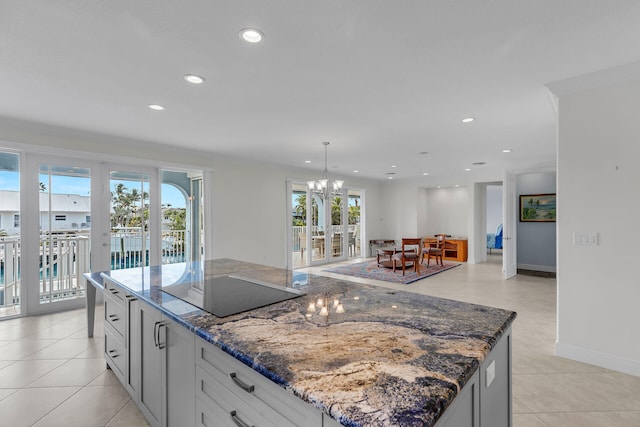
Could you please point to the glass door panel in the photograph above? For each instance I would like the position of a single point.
(9, 234)
(182, 216)
(129, 218)
(316, 212)
(354, 204)
(65, 226)
(337, 232)
(299, 233)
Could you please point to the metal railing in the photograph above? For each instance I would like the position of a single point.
(65, 257)
(63, 260)
(9, 271)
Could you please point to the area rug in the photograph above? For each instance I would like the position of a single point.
(370, 270)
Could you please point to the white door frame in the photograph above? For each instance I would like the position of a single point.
(509, 218)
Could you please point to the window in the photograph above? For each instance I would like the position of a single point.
(60, 217)
(16, 221)
(88, 219)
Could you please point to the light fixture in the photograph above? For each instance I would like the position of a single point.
(194, 79)
(425, 173)
(251, 35)
(323, 305)
(307, 161)
(506, 150)
(467, 169)
(468, 120)
(156, 107)
(321, 186)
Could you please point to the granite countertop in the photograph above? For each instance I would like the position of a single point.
(392, 357)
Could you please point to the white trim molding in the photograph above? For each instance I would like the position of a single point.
(609, 361)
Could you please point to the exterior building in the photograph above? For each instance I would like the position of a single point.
(69, 212)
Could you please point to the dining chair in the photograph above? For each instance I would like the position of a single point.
(434, 248)
(410, 252)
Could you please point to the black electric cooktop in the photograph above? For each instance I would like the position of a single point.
(227, 295)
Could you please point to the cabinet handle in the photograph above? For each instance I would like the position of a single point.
(114, 291)
(156, 335)
(113, 354)
(245, 387)
(237, 420)
(131, 298)
(113, 317)
(161, 345)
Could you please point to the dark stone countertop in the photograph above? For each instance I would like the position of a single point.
(392, 357)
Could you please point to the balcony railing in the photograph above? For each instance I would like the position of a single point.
(65, 257)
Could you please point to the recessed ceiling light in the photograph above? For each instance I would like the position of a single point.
(156, 107)
(307, 161)
(425, 173)
(389, 177)
(251, 35)
(467, 169)
(457, 185)
(468, 120)
(506, 150)
(356, 171)
(394, 166)
(192, 78)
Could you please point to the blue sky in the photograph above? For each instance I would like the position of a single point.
(82, 186)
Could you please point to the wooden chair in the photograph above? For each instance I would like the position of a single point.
(411, 252)
(434, 248)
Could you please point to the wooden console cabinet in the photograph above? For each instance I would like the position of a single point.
(455, 249)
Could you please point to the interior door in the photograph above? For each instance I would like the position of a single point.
(509, 215)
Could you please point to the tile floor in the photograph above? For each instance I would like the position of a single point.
(51, 374)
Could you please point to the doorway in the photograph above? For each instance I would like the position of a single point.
(323, 229)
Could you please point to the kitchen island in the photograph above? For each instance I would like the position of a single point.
(377, 357)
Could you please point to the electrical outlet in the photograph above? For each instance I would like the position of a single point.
(491, 372)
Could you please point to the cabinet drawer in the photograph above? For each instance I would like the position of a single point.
(113, 290)
(232, 374)
(114, 313)
(114, 352)
(224, 406)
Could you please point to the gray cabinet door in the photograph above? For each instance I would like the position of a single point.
(150, 388)
(178, 373)
(132, 345)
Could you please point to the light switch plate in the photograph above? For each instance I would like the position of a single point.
(491, 372)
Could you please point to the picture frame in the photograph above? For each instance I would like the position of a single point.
(538, 207)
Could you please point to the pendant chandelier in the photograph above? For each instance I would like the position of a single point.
(321, 186)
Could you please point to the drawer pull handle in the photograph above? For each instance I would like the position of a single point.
(114, 291)
(245, 387)
(113, 317)
(237, 420)
(131, 298)
(113, 354)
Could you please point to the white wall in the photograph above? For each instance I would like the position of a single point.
(598, 176)
(448, 211)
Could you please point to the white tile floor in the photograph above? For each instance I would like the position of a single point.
(51, 374)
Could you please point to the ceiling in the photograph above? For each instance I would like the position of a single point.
(383, 81)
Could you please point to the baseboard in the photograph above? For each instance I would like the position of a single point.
(547, 268)
(628, 366)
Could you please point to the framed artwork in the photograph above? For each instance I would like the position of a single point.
(538, 207)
